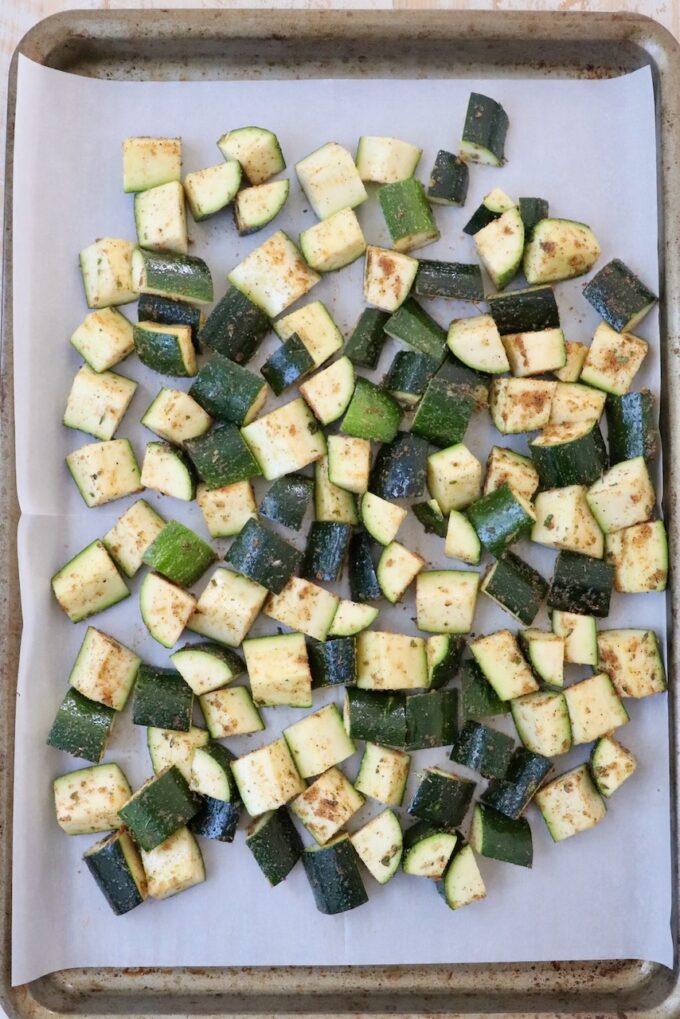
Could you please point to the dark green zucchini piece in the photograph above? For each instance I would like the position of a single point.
(227, 391)
(372, 413)
(493, 206)
(327, 546)
(454, 370)
(482, 749)
(156, 811)
(573, 454)
(431, 517)
(619, 296)
(431, 719)
(163, 351)
(500, 519)
(169, 274)
(161, 699)
(117, 867)
(631, 427)
(287, 364)
(287, 500)
(333, 662)
(480, 700)
(216, 819)
(235, 327)
(165, 311)
(516, 586)
(442, 798)
(444, 412)
(179, 554)
(409, 375)
(444, 663)
(221, 457)
(581, 584)
(81, 727)
(484, 131)
(376, 717)
(261, 555)
(275, 843)
(400, 468)
(501, 838)
(413, 326)
(513, 794)
(407, 214)
(532, 211)
(334, 875)
(457, 281)
(449, 180)
(363, 579)
(365, 345)
(525, 311)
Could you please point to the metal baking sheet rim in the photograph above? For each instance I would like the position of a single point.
(568, 43)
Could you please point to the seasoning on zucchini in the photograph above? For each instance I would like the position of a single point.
(88, 583)
(287, 500)
(449, 180)
(400, 468)
(444, 653)
(318, 741)
(256, 149)
(81, 727)
(212, 188)
(105, 471)
(379, 846)
(385, 160)
(285, 440)
(329, 392)
(570, 804)
(107, 271)
(256, 206)
(639, 555)
(516, 586)
(365, 345)
(376, 717)
(206, 666)
(493, 206)
(275, 843)
(330, 180)
(383, 773)
(484, 131)
(167, 274)
(408, 376)
(446, 600)
(334, 876)
(542, 722)
(442, 798)
(613, 360)
(611, 765)
(581, 584)
(168, 470)
(499, 657)
(500, 246)
(513, 794)
(408, 214)
(431, 719)
(116, 866)
(477, 343)
(159, 808)
(228, 392)
(278, 669)
(363, 580)
(411, 324)
(559, 249)
(97, 402)
(274, 275)
(457, 281)
(334, 242)
(89, 800)
(619, 296)
(303, 606)
(480, 700)
(631, 426)
(235, 327)
(483, 749)
(103, 339)
(501, 838)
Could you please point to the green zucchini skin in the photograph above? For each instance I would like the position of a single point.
(261, 555)
(448, 668)
(499, 520)
(581, 584)
(372, 413)
(442, 799)
(431, 719)
(618, 295)
(579, 462)
(409, 375)
(433, 522)
(502, 838)
(167, 312)
(162, 700)
(631, 427)
(276, 845)
(486, 125)
(420, 830)
(517, 587)
(326, 550)
(532, 211)
(480, 700)
(81, 727)
(286, 365)
(511, 795)
(484, 750)
(221, 456)
(480, 218)
(167, 273)
(400, 468)
(159, 808)
(365, 345)
(179, 554)
(216, 819)
(108, 865)
(334, 875)
(525, 311)
(457, 281)
(226, 391)
(449, 180)
(363, 579)
(287, 500)
(407, 213)
(444, 413)
(412, 325)
(159, 351)
(478, 383)
(376, 717)
(235, 327)
(333, 662)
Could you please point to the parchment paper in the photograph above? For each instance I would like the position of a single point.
(589, 147)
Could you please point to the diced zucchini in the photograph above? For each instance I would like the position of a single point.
(500, 519)
(226, 510)
(287, 500)
(287, 365)
(81, 727)
(619, 296)
(480, 700)
(256, 149)
(444, 412)
(631, 426)
(168, 470)
(639, 555)
(397, 568)
(235, 327)
(162, 699)
(484, 131)
(542, 722)
(379, 846)
(106, 269)
(153, 308)
(333, 662)
(427, 849)
(117, 867)
(255, 207)
(390, 661)
(332, 504)
(372, 413)
(216, 819)
(493, 205)
(334, 876)
(483, 749)
(477, 343)
(318, 741)
(278, 669)
(575, 355)
(179, 554)
(313, 325)
(267, 778)
(230, 712)
(559, 249)
(222, 457)
(104, 338)
(349, 462)
(212, 188)
(383, 773)
(97, 402)
(229, 392)
(412, 325)
(388, 277)
(382, 519)
(167, 747)
(174, 866)
(166, 608)
(613, 360)
(351, 618)
(500, 246)
(632, 659)
(261, 555)
(333, 243)
(501, 838)
(88, 800)
(104, 669)
(326, 805)
(275, 843)
(511, 795)
(386, 160)
(368, 338)
(171, 275)
(330, 180)
(408, 377)
(408, 214)
(564, 521)
(160, 218)
(175, 416)
(535, 353)
(327, 546)
(520, 405)
(105, 471)
(594, 708)
(400, 468)
(274, 275)
(377, 717)
(444, 653)
(442, 798)
(329, 392)
(454, 477)
(581, 584)
(303, 606)
(570, 804)
(505, 466)
(533, 309)
(580, 637)
(446, 600)
(431, 719)
(533, 210)
(205, 667)
(500, 659)
(166, 349)
(148, 162)
(545, 653)
(285, 440)
(569, 454)
(449, 179)
(611, 764)
(88, 583)
(624, 496)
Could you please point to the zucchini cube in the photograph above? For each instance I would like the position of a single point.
(444, 653)
(167, 349)
(545, 653)
(573, 402)
(486, 125)
(81, 727)
(388, 278)
(333, 662)
(431, 719)
(227, 608)
(222, 457)
(267, 778)
(372, 413)
(383, 773)
(505, 466)
(105, 471)
(159, 808)
(256, 149)
(639, 555)
(330, 180)
(611, 765)
(449, 179)
(275, 843)
(212, 189)
(230, 712)
(559, 249)
(581, 584)
(235, 327)
(168, 748)
(365, 345)
(179, 554)
(162, 699)
(408, 214)
(570, 804)
(349, 462)
(427, 849)
(261, 555)
(624, 496)
(97, 402)
(303, 606)
(632, 660)
(165, 608)
(613, 360)
(206, 667)
(579, 634)
(104, 670)
(104, 338)
(229, 392)
(379, 846)
(594, 707)
(285, 440)
(173, 866)
(477, 343)
(480, 700)
(106, 270)
(334, 875)
(327, 805)
(575, 355)
(329, 391)
(256, 206)
(131, 535)
(446, 600)
(542, 722)
(536, 352)
(391, 661)
(173, 276)
(442, 798)
(287, 365)
(564, 521)
(318, 741)
(619, 296)
(483, 749)
(454, 477)
(274, 275)
(499, 657)
(168, 470)
(313, 325)
(333, 243)
(89, 800)
(516, 586)
(520, 405)
(385, 160)
(511, 795)
(444, 413)
(287, 500)
(89, 583)
(397, 569)
(400, 468)
(228, 509)
(149, 162)
(411, 324)
(160, 218)
(117, 867)
(377, 717)
(501, 838)
(500, 246)
(278, 669)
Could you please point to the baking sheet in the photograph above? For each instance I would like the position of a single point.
(587, 146)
